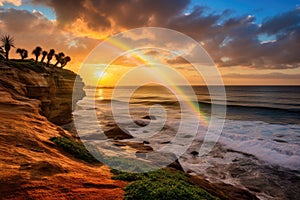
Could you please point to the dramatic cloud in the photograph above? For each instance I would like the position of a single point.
(231, 41)
(102, 15)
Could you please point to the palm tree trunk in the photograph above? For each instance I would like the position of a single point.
(6, 55)
(43, 58)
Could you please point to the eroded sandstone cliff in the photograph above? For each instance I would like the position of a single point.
(35, 99)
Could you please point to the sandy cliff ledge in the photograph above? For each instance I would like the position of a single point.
(31, 167)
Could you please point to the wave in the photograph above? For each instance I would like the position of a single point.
(207, 103)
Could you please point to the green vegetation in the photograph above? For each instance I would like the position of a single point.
(129, 165)
(28, 64)
(162, 184)
(76, 148)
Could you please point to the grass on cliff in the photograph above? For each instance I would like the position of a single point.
(162, 184)
(27, 64)
(76, 148)
(40, 67)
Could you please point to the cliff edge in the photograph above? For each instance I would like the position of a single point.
(34, 99)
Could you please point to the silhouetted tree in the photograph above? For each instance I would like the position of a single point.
(64, 61)
(37, 52)
(23, 53)
(7, 43)
(44, 53)
(59, 57)
(50, 56)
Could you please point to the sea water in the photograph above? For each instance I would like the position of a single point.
(259, 145)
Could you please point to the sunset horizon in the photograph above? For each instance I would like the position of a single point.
(223, 30)
(150, 99)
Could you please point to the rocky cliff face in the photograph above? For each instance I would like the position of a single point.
(31, 166)
(53, 87)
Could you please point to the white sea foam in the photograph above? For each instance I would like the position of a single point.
(275, 144)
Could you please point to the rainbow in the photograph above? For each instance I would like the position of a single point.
(178, 91)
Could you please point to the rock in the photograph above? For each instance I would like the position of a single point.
(280, 141)
(141, 123)
(176, 165)
(222, 190)
(94, 136)
(138, 146)
(165, 142)
(151, 117)
(117, 134)
(53, 174)
(195, 153)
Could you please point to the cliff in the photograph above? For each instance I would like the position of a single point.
(52, 86)
(34, 99)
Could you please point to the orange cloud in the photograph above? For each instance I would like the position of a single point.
(14, 2)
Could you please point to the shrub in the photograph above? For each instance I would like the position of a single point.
(76, 148)
(161, 184)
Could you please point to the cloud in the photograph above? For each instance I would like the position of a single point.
(103, 15)
(230, 40)
(275, 75)
(14, 2)
(177, 60)
(31, 29)
(282, 23)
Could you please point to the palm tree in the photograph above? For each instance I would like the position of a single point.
(44, 53)
(7, 43)
(59, 57)
(37, 52)
(65, 61)
(23, 53)
(50, 56)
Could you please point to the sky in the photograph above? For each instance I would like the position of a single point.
(253, 42)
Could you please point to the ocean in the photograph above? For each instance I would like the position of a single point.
(258, 148)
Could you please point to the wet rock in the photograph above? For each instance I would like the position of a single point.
(222, 190)
(141, 123)
(195, 153)
(176, 165)
(117, 133)
(280, 141)
(94, 136)
(151, 117)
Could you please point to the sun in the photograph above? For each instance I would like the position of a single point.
(99, 74)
